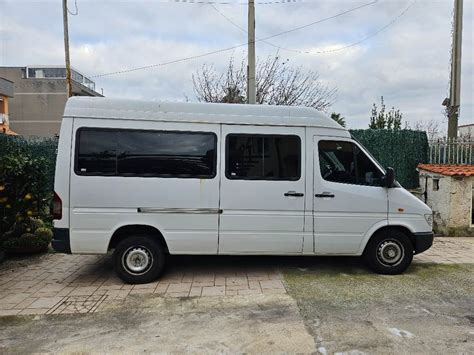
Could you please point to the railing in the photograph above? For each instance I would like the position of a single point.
(451, 151)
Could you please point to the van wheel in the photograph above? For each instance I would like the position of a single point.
(389, 252)
(139, 259)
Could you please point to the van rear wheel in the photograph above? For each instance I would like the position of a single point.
(139, 259)
(389, 252)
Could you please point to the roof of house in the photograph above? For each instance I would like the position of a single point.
(98, 107)
(449, 170)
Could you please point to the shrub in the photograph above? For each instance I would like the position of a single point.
(44, 234)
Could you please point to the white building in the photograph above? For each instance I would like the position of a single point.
(449, 190)
(466, 131)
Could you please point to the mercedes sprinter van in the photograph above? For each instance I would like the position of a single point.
(148, 179)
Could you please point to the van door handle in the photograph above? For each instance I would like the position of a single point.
(324, 194)
(294, 194)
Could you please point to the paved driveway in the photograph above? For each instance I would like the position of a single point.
(60, 284)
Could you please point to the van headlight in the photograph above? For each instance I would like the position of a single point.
(429, 219)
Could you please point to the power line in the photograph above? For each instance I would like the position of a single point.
(264, 40)
(371, 35)
(73, 13)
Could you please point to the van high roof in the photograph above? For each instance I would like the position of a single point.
(99, 107)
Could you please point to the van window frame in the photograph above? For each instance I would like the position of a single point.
(117, 174)
(261, 135)
(361, 147)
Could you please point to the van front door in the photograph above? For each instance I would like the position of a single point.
(262, 190)
(348, 198)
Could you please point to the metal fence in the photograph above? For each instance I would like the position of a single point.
(451, 151)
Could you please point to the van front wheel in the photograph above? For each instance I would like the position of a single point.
(389, 252)
(139, 259)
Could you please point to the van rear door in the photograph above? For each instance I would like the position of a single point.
(262, 190)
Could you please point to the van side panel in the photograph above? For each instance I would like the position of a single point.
(184, 210)
(63, 163)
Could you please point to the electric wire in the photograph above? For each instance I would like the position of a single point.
(373, 34)
(73, 13)
(232, 47)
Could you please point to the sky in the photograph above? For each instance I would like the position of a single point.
(407, 62)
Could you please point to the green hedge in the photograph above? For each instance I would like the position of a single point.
(36, 147)
(401, 149)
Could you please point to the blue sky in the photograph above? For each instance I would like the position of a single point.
(408, 63)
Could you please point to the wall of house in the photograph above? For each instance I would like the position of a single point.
(438, 200)
(38, 104)
(451, 203)
(461, 201)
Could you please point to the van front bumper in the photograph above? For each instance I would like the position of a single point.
(60, 242)
(423, 241)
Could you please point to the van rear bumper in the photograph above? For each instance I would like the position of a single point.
(60, 242)
(423, 241)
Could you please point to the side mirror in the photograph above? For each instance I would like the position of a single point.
(389, 178)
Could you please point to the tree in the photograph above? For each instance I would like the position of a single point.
(385, 120)
(278, 83)
(339, 119)
(431, 127)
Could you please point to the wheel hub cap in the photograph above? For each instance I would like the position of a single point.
(137, 260)
(390, 253)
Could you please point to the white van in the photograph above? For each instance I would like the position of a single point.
(147, 179)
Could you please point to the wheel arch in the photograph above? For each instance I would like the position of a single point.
(124, 231)
(376, 229)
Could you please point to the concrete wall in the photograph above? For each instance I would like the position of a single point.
(451, 204)
(38, 104)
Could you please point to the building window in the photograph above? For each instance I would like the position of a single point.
(435, 184)
(263, 157)
(146, 153)
(344, 162)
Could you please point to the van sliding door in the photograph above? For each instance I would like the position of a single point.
(262, 190)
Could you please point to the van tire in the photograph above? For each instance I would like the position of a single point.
(139, 259)
(389, 252)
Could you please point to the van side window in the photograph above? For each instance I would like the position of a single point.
(121, 152)
(263, 157)
(96, 152)
(346, 163)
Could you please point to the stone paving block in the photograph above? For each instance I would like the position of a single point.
(45, 302)
(234, 281)
(9, 312)
(161, 288)
(213, 291)
(273, 284)
(195, 291)
(179, 287)
(25, 303)
(83, 291)
(30, 311)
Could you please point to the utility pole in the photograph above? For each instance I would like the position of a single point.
(455, 83)
(251, 85)
(66, 50)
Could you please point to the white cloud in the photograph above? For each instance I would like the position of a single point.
(408, 63)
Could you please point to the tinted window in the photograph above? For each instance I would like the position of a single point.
(166, 153)
(345, 162)
(97, 152)
(263, 157)
(146, 153)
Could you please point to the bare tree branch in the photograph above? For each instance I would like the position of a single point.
(277, 84)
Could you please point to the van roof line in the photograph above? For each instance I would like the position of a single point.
(99, 107)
